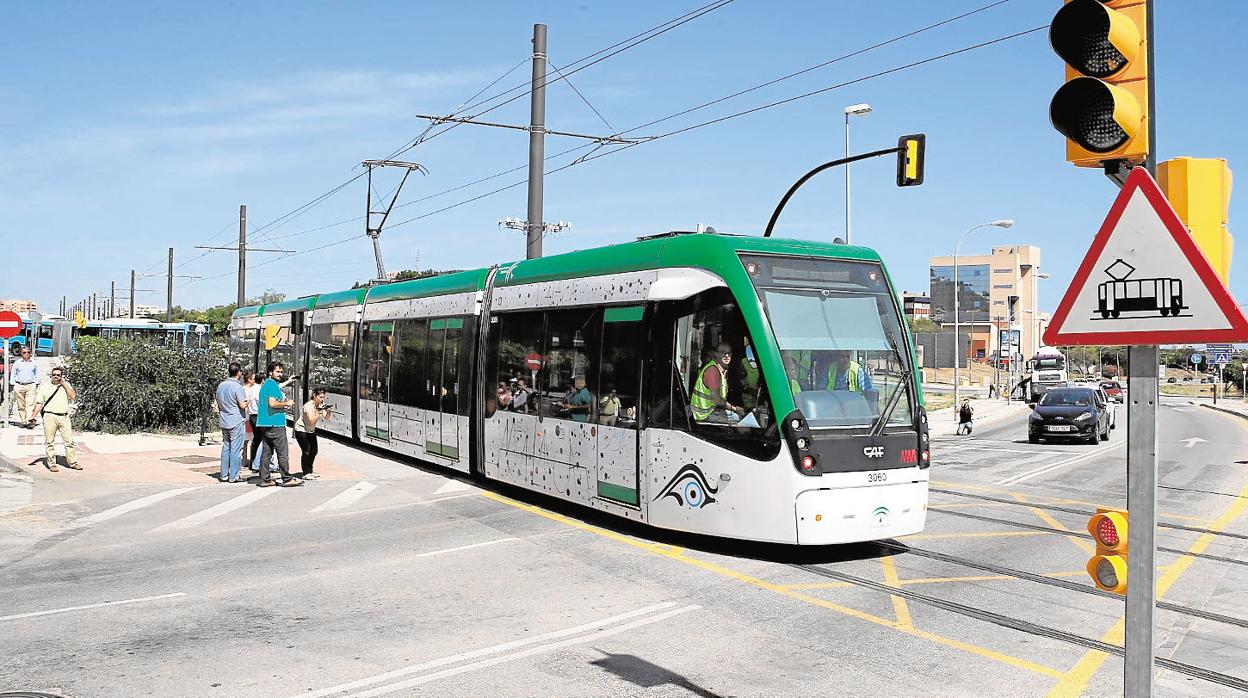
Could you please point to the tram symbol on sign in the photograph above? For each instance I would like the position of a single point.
(1123, 295)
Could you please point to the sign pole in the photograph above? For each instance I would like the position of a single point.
(1142, 508)
(5, 351)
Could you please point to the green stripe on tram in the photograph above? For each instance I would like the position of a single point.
(443, 450)
(381, 327)
(619, 493)
(632, 313)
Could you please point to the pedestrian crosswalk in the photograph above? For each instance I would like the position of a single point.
(204, 507)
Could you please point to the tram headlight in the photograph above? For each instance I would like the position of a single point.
(803, 444)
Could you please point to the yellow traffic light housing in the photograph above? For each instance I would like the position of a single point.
(1108, 568)
(1199, 189)
(1103, 109)
(910, 155)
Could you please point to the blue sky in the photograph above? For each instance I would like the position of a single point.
(132, 127)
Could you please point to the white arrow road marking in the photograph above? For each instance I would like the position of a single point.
(1188, 443)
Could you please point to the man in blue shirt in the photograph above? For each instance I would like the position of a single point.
(25, 378)
(232, 406)
(271, 426)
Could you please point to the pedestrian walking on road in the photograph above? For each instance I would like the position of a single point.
(24, 378)
(232, 406)
(966, 415)
(52, 404)
(314, 410)
(271, 427)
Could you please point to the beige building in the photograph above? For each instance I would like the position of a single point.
(17, 306)
(997, 299)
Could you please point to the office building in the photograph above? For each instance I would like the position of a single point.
(997, 300)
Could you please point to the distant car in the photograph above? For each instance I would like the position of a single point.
(1114, 390)
(1078, 413)
(1172, 380)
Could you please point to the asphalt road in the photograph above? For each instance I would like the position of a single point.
(409, 583)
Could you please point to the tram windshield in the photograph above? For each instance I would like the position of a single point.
(840, 337)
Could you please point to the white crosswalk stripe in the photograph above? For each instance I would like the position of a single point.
(128, 507)
(347, 497)
(229, 505)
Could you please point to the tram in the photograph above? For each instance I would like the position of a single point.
(583, 376)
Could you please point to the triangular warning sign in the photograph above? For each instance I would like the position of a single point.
(1144, 281)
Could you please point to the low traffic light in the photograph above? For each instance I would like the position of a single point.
(1103, 109)
(1108, 568)
(910, 160)
(1199, 189)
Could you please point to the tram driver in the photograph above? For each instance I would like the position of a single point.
(847, 374)
(709, 401)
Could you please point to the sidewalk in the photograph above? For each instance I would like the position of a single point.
(1235, 407)
(945, 421)
(138, 458)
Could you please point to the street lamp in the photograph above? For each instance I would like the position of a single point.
(852, 110)
(957, 334)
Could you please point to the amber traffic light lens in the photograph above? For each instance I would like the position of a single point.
(1088, 36)
(1084, 111)
(1106, 574)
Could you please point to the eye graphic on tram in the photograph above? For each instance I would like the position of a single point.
(689, 488)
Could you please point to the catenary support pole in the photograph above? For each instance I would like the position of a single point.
(242, 255)
(537, 145)
(131, 316)
(1139, 643)
(169, 289)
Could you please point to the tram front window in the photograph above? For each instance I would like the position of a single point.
(840, 336)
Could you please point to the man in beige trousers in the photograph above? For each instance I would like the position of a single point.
(52, 403)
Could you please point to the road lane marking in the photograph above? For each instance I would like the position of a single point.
(102, 604)
(492, 661)
(665, 551)
(1022, 477)
(486, 651)
(1080, 675)
(201, 517)
(900, 609)
(431, 553)
(134, 505)
(1045, 499)
(347, 497)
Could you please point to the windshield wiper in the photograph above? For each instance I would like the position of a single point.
(887, 412)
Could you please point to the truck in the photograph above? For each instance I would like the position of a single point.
(1046, 369)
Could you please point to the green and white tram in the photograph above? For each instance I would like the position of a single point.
(751, 388)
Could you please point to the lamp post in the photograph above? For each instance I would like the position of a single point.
(957, 334)
(852, 110)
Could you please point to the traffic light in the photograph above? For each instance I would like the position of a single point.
(910, 160)
(1199, 189)
(1108, 568)
(1103, 109)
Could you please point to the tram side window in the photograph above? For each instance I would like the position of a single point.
(407, 374)
(447, 361)
(569, 366)
(243, 346)
(519, 336)
(620, 370)
(703, 350)
(329, 366)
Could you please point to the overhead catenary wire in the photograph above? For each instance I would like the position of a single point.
(682, 130)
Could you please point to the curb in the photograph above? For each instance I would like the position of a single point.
(1223, 410)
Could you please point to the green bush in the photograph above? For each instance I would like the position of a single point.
(129, 385)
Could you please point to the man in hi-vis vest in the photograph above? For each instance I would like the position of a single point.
(847, 374)
(709, 402)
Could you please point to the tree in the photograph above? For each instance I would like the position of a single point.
(922, 324)
(269, 296)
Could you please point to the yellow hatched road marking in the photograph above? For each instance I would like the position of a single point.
(900, 608)
(1085, 545)
(665, 551)
(1078, 678)
(973, 534)
(985, 578)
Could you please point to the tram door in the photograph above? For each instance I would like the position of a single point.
(442, 375)
(378, 356)
(619, 384)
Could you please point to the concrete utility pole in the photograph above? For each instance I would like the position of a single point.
(94, 307)
(112, 299)
(537, 145)
(169, 290)
(242, 255)
(131, 294)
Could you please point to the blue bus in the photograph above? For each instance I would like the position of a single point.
(188, 335)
